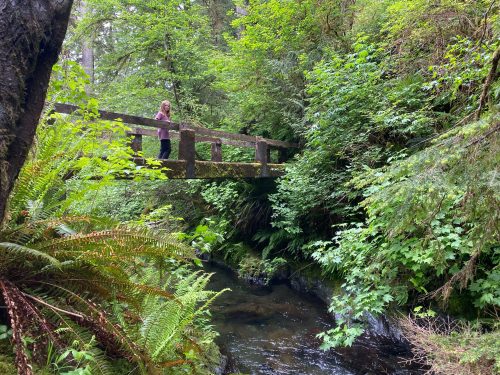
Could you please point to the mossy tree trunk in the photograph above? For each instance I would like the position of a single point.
(32, 33)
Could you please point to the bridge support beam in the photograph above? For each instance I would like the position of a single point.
(187, 150)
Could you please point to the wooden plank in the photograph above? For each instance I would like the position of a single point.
(218, 133)
(240, 137)
(129, 119)
(112, 116)
(207, 169)
(280, 144)
(198, 138)
(229, 142)
(176, 169)
(147, 132)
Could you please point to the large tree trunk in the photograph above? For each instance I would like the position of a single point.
(31, 35)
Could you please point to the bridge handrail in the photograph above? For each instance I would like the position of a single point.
(204, 132)
(199, 138)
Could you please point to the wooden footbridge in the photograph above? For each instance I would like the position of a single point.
(187, 166)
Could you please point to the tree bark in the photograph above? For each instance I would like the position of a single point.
(87, 49)
(32, 32)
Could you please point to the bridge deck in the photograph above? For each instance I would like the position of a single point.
(176, 169)
(187, 166)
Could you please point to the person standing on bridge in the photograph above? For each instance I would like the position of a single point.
(163, 136)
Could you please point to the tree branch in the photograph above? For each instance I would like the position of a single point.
(492, 75)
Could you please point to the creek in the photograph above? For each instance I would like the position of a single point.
(272, 331)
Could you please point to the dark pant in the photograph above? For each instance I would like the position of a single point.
(165, 149)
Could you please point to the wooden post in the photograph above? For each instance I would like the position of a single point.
(268, 154)
(282, 155)
(217, 151)
(261, 157)
(187, 150)
(261, 152)
(136, 142)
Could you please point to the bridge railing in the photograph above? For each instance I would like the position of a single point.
(189, 135)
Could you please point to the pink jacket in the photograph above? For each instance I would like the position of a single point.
(162, 132)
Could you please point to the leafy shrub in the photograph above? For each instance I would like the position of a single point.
(430, 225)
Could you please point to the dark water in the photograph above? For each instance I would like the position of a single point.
(273, 331)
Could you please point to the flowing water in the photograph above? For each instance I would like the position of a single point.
(272, 331)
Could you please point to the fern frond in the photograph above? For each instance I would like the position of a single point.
(121, 242)
(24, 251)
(166, 325)
(105, 330)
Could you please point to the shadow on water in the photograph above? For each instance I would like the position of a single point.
(272, 331)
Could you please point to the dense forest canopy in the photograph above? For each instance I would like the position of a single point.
(393, 192)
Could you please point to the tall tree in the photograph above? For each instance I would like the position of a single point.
(32, 35)
(87, 48)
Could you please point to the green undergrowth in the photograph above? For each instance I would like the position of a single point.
(7, 366)
(261, 269)
(213, 237)
(478, 352)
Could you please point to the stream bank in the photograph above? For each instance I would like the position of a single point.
(307, 280)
